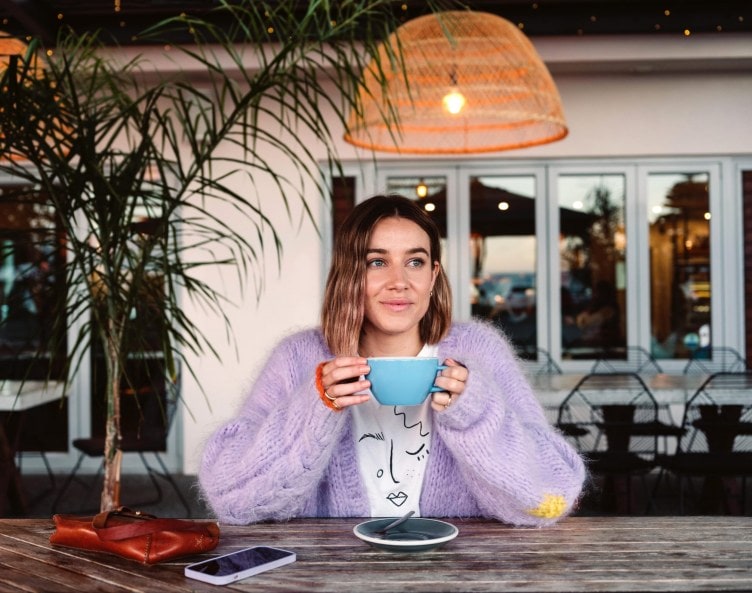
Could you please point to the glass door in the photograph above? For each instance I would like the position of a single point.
(592, 279)
(588, 260)
(503, 254)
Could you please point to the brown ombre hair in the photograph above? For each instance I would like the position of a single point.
(344, 298)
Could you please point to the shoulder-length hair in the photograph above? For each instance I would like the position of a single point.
(343, 309)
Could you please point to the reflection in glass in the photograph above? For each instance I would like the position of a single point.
(431, 193)
(31, 287)
(592, 247)
(343, 201)
(502, 256)
(679, 222)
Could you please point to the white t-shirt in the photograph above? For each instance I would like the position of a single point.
(393, 444)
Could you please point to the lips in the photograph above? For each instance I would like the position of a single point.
(397, 305)
(397, 498)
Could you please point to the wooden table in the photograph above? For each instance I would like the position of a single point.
(579, 554)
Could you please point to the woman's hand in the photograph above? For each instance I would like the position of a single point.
(452, 380)
(340, 378)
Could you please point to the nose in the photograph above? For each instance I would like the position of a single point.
(397, 277)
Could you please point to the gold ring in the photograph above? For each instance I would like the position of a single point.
(329, 397)
(449, 402)
(335, 404)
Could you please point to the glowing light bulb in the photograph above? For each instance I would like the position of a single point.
(454, 101)
(421, 190)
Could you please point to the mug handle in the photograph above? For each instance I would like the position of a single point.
(435, 389)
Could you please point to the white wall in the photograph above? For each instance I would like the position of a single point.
(289, 300)
(634, 96)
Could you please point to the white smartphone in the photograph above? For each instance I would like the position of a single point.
(238, 565)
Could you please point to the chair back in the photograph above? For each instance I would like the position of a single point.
(630, 359)
(147, 413)
(718, 416)
(538, 361)
(601, 412)
(715, 359)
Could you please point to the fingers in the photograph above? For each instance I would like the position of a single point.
(441, 400)
(343, 386)
(341, 381)
(452, 380)
(345, 367)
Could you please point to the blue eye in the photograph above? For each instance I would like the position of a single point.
(375, 263)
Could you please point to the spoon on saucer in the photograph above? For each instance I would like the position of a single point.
(395, 523)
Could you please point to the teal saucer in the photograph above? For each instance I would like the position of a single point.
(414, 535)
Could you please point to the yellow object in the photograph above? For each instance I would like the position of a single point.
(553, 506)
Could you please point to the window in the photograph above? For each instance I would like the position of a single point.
(343, 200)
(679, 232)
(32, 313)
(503, 256)
(588, 259)
(592, 248)
(32, 287)
(431, 193)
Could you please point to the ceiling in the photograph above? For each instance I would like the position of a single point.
(125, 19)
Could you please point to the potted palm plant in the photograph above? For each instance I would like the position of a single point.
(133, 166)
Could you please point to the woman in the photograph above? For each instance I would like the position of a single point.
(311, 441)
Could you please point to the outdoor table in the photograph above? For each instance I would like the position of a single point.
(668, 389)
(578, 554)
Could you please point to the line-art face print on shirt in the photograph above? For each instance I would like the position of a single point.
(397, 451)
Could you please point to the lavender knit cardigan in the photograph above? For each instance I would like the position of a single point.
(493, 453)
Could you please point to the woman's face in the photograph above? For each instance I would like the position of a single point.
(399, 279)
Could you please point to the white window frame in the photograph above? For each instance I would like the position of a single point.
(727, 264)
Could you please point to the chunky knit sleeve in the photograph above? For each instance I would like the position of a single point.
(516, 466)
(267, 463)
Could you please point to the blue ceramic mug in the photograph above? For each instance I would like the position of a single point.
(403, 380)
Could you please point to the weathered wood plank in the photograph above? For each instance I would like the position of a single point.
(580, 554)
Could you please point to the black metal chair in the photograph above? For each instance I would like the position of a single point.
(155, 408)
(715, 359)
(633, 359)
(612, 419)
(716, 446)
(629, 359)
(538, 361)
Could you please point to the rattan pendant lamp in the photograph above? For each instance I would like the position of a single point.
(457, 82)
(12, 53)
(10, 47)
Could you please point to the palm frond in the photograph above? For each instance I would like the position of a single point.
(136, 168)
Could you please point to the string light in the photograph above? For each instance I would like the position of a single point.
(421, 190)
